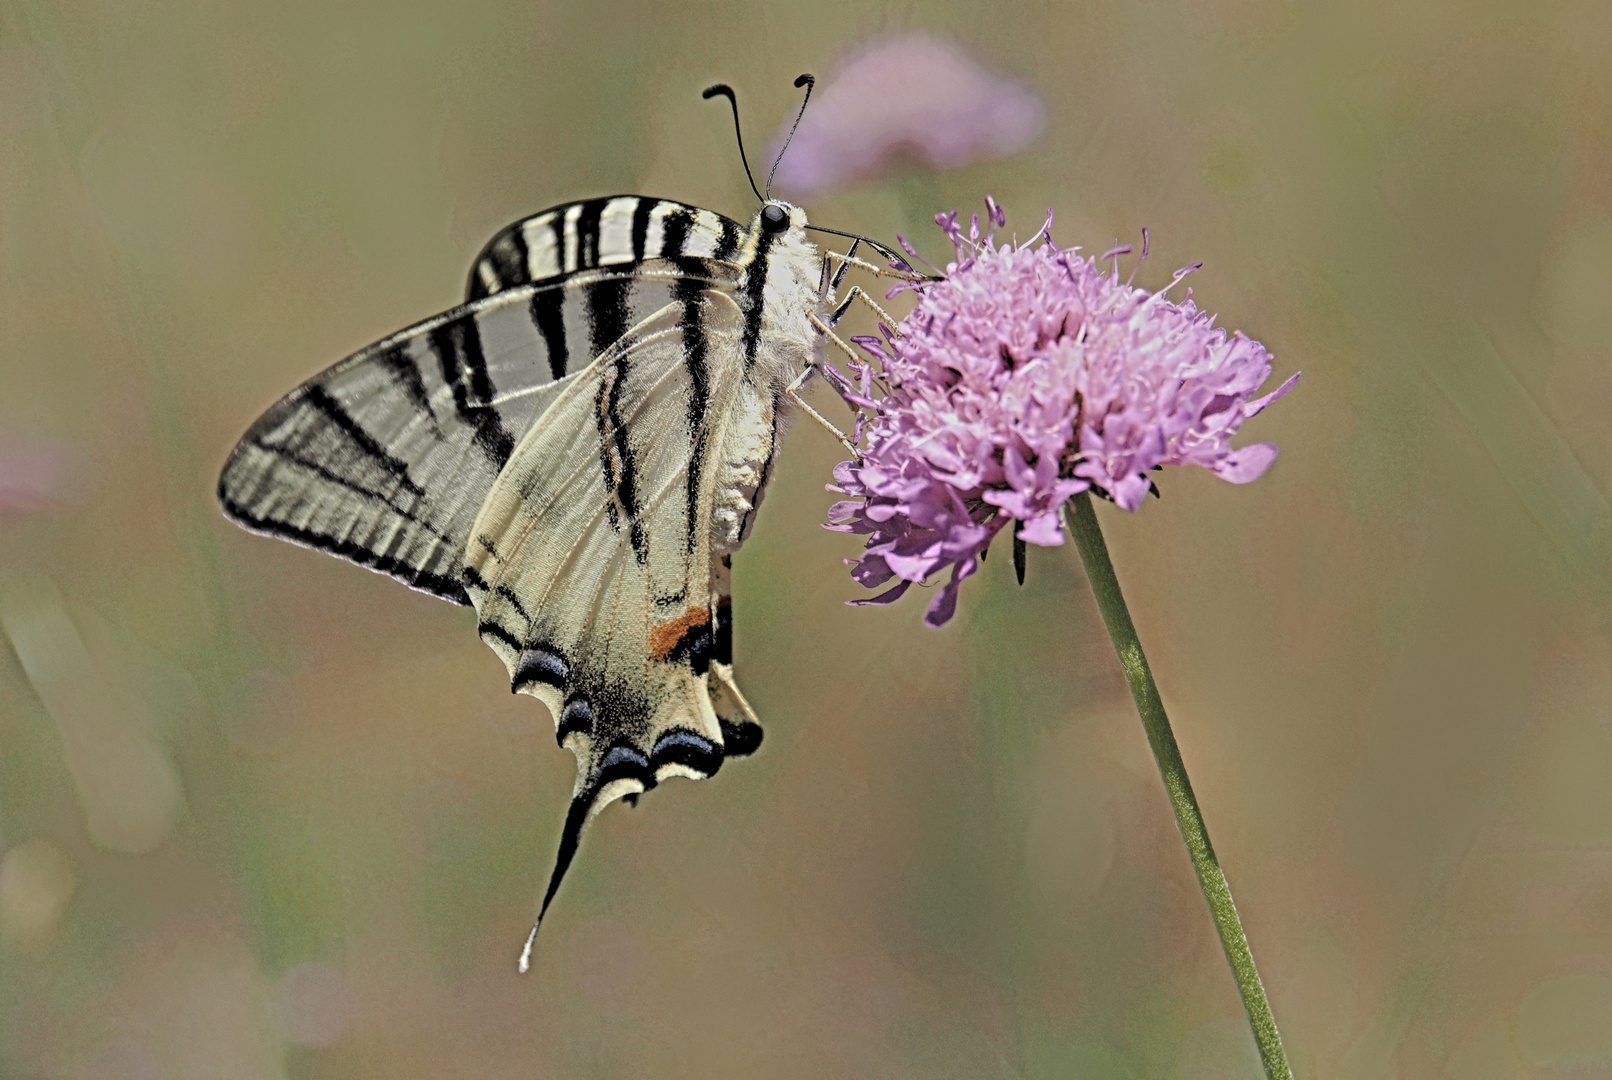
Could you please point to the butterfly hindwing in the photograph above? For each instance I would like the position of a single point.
(590, 564)
(741, 732)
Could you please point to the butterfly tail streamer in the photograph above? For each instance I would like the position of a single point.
(576, 819)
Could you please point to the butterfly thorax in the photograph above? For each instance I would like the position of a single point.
(778, 293)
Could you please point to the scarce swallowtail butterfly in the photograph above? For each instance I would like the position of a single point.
(576, 452)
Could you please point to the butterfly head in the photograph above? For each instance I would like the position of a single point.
(777, 217)
(779, 244)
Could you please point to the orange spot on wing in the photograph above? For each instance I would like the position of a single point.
(664, 638)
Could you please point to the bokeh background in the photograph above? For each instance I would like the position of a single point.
(266, 815)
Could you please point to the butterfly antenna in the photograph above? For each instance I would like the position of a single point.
(808, 82)
(900, 263)
(727, 91)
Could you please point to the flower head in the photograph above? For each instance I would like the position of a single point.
(1024, 376)
(917, 93)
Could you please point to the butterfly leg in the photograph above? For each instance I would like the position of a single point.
(827, 329)
(838, 313)
(845, 261)
(858, 293)
(875, 270)
(792, 391)
(839, 275)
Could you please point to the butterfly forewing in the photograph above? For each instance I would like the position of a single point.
(384, 459)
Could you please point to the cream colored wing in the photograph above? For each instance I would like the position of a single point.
(591, 565)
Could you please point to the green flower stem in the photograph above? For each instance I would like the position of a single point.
(1094, 554)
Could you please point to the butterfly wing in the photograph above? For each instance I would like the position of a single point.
(385, 458)
(591, 563)
(613, 231)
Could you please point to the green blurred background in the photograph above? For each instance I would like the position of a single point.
(263, 814)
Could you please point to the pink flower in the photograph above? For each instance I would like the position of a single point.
(1024, 376)
(917, 93)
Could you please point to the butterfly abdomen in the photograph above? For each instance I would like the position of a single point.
(746, 467)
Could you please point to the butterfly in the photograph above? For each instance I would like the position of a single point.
(577, 452)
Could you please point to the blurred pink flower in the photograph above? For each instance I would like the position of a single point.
(1024, 376)
(917, 93)
(36, 471)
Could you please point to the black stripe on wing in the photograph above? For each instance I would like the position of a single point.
(408, 377)
(697, 363)
(675, 229)
(728, 240)
(639, 238)
(457, 346)
(367, 446)
(616, 455)
(587, 234)
(609, 312)
(548, 316)
(741, 735)
(722, 634)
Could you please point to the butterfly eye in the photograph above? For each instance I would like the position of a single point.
(774, 218)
